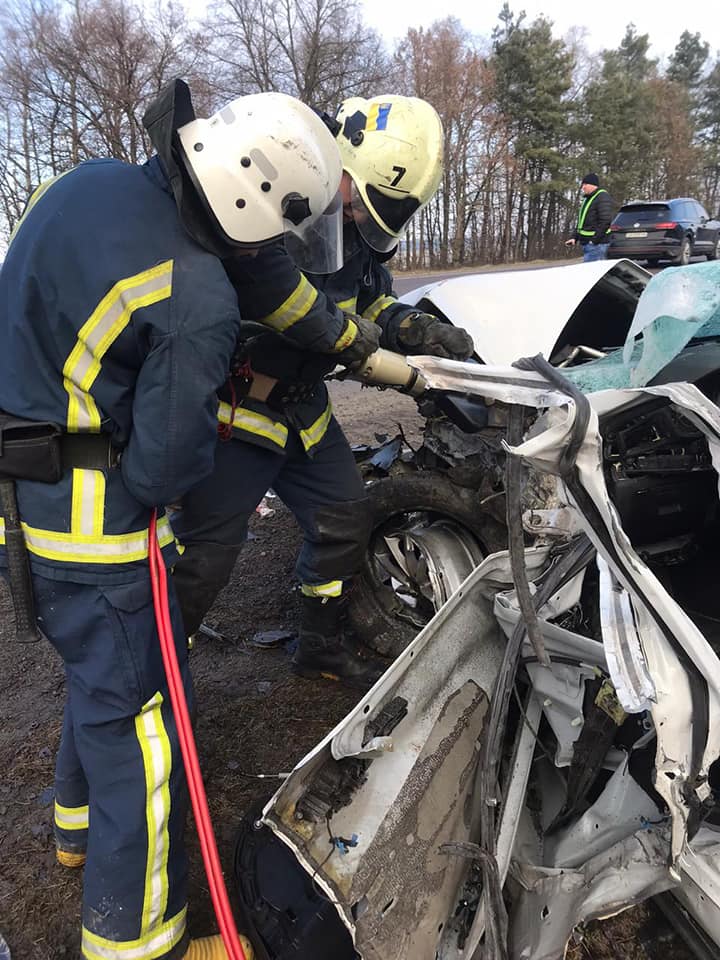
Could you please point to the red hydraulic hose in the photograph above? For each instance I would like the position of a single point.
(218, 891)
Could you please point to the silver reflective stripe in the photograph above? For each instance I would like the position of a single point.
(348, 306)
(110, 548)
(71, 818)
(377, 306)
(99, 332)
(331, 589)
(88, 503)
(99, 337)
(157, 763)
(254, 423)
(81, 403)
(317, 430)
(297, 305)
(155, 944)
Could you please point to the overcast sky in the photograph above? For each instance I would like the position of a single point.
(604, 20)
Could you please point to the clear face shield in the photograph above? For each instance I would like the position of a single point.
(315, 247)
(394, 214)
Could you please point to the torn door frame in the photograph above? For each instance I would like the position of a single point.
(683, 667)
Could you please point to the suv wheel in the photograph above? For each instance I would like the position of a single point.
(715, 252)
(683, 257)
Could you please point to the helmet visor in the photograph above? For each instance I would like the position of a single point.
(316, 246)
(382, 221)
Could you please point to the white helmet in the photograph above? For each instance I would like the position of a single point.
(392, 148)
(266, 166)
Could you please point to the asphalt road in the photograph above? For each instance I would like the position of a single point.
(406, 282)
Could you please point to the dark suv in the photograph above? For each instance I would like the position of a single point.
(674, 230)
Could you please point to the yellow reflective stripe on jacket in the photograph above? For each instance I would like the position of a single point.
(88, 503)
(331, 589)
(316, 431)
(348, 306)
(99, 332)
(71, 818)
(297, 305)
(79, 548)
(377, 306)
(157, 763)
(253, 422)
(155, 944)
(347, 336)
(34, 197)
(583, 214)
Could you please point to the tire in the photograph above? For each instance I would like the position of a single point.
(376, 614)
(684, 254)
(715, 252)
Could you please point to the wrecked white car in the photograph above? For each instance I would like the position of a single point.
(544, 752)
(439, 509)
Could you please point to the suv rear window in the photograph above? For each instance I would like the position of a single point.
(643, 213)
(687, 210)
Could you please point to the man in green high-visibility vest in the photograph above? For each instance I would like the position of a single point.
(593, 226)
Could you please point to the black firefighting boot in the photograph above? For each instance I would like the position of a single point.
(199, 576)
(324, 649)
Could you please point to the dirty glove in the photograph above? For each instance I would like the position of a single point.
(363, 337)
(422, 333)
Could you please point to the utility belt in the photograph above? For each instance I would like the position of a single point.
(40, 451)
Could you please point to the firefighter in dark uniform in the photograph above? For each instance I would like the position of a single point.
(118, 323)
(275, 409)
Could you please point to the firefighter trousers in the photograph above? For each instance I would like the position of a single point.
(120, 794)
(324, 491)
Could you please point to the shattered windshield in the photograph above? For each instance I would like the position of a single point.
(677, 306)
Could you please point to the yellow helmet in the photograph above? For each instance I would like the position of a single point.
(392, 148)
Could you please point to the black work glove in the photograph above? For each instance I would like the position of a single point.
(422, 333)
(365, 342)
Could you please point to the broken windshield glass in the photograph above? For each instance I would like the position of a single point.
(676, 307)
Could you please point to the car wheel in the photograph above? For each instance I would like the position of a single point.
(683, 256)
(715, 252)
(427, 535)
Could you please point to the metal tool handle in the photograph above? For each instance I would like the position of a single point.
(26, 629)
(386, 368)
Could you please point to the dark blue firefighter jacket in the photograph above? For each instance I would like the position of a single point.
(112, 320)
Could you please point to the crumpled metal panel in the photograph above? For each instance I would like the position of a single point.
(672, 710)
(404, 883)
(392, 888)
(554, 900)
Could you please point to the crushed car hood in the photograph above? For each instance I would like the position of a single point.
(518, 313)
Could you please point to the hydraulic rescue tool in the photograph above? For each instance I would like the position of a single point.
(387, 369)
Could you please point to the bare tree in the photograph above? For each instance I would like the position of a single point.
(75, 79)
(444, 65)
(317, 50)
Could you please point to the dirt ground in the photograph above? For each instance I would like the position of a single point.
(254, 718)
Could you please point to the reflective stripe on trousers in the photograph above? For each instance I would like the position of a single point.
(259, 425)
(119, 752)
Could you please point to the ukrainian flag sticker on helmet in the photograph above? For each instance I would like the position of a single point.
(377, 116)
